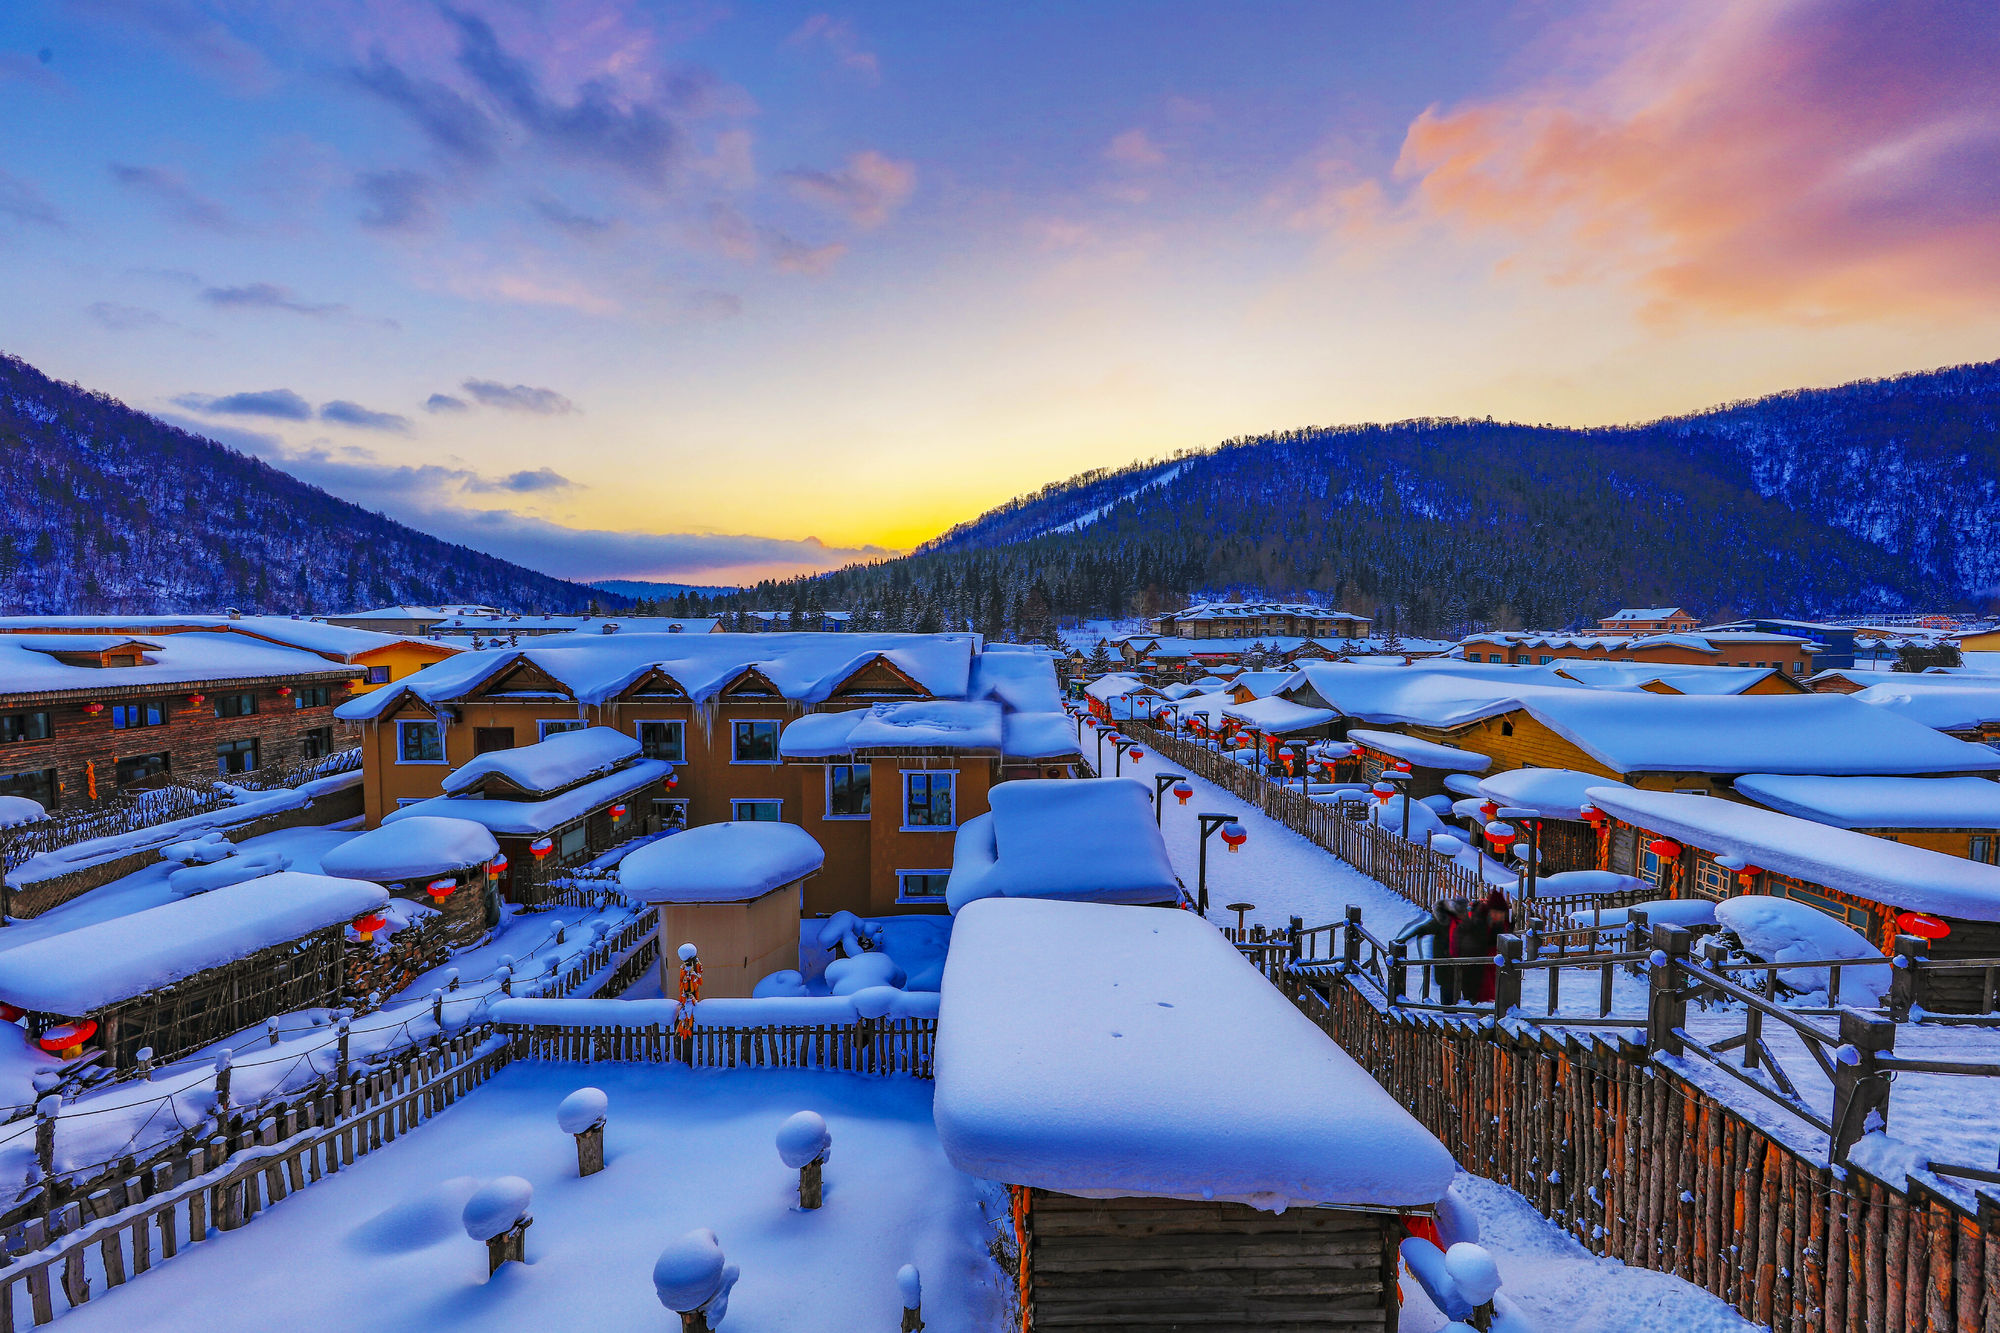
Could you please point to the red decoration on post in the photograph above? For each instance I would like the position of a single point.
(1923, 925)
(366, 926)
(1664, 848)
(284, 691)
(498, 866)
(1135, 754)
(67, 1039)
(1235, 835)
(671, 781)
(10, 1012)
(440, 889)
(1748, 875)
(541, 847)
(1489, 811)
(1182, 791)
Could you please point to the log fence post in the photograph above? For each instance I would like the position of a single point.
(1666, 1004)
(1507, 975)
(1860, 1084)
(1907, 988)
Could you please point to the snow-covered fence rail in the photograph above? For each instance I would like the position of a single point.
(1640, 1164)
(301, 771)
(148, 1216)
(868, 1046)
(610, 966)
(120, 815)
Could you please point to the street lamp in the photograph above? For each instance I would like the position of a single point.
(1526, 819)
(1400, 781)
(1233, 834)
(1161, 781)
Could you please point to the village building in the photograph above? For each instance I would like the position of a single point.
(1648, 620)
(508, 625)
(85, 717)
(773, 622)
(735, 892)
(1945, 703)
(404, 619)
(449, 865)
(721, 711)
(1955, 816)
(1733, 648)
(1253, 620)
(1077, 841)
(1833, 645)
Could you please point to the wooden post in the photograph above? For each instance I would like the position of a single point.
(1859, 1083)
(810, 1183)
(45, 1150)
(510, 1244)
(1906, 977)
(1350, 940)
(1507, 976)
(590, 1150)
(1399, 954)
(1666, 1008)
(694, 1321)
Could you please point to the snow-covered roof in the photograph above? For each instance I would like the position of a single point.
(411, 849)
(1891, 873)
(549, 765)
(504, 622)
(1649, 613)
(1434, 692)
(1553, 793)
(78, 971)
(1108, 687)
(1258, 611)
(1109, 1052)
(1039, 735)
(1877, 802)
(525, 818)
(194, 658)
(910, 724)
(1091, 838)
(805, 668)
(1422, 753)
(1806, 733)
(1952, 706)
(1681, 679)
(1022, 677)
(1278, 717)
(338, 642)
(1262, 683)
(720, 863)
(18, 810)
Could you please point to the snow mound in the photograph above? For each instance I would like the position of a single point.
(1659, 912)
(1781, 930)
(209, 847)
(1472, 1271)
(780, 985)
(911, 1285)
(496, 1206)
(229, 870)
(691, 1274)
(845, 976)
(412, 848)
(581, 1110)
(802, 1139)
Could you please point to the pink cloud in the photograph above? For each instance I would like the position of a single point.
(1821, 159)
(837, 37)
(866, 192)
(1134, 148)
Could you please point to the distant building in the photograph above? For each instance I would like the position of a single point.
(816, 622)
(1252, 620)
(1649, 620)
(1833, 645)
(503, 625)
(392, 619)
(1789, 653)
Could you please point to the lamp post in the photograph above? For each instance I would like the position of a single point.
(1401, 781)
(1210, 823)
(1162, 781)
(1526, 820)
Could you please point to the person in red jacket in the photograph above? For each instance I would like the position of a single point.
(1477, 935)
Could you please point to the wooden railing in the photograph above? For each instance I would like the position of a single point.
(869, 1046)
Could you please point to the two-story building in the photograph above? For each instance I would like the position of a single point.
(1252, 620)
(1648, 620)
(1789, 653)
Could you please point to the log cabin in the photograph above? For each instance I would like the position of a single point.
(1956, 816)
(450, 865)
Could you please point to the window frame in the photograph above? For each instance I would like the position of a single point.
(377, 675)
(235, 746)
(904, 898)
(867, 794)
(736, 809)
(572, 841)
(679, 726)
(311, 737)
(312, 696)
(48, 726)
(403, 724)
(143, 707)
(45, 788)
(930, 775)
(735, 745)
(561, 725)
(166, 767)
(246, 704)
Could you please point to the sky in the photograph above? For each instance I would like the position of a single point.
(712, 292)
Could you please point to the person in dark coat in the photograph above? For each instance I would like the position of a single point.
(1437, 929)
(1478, 936)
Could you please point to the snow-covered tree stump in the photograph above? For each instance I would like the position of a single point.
(582, 1114)
(498, 1214)
(803, 1144)
(911, 1284)
(692, 1278)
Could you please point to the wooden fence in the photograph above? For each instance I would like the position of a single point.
(1640, 1165)
(870, 1046)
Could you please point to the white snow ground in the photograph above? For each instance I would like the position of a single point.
(380, 1246)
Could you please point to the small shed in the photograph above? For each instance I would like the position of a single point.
(732, 890)
(1430, 763)
(1183, 1146)
(186, 973)
(1092, 840)
(1556, 796)
(441, 863)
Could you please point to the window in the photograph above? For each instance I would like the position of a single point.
(313, 696)
(420, 742)
(149, 714)
(757, 812)
(921, 886)
(1544, 659)
(670, 815)
(1798, 668)
(235, 756)
(1506, 728)
(557, 726)
(24, 727)
(37, 784)
(316, 744)
(1980, 848)
(235, 705)
(378, 675)
(847, 791)
(754, 743)
(572, 841)
(663, 740)
(928, 800)
(142, 768)
(485, 740)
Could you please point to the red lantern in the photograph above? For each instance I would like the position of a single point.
(93, 709)
(1489, 811)
(10, 1012)
(1235, 835)
(498, 866)
(1182, 791)
(1090, 722)
(1383, 791)
(1748, 876)
(197, 699)
(618, 810)
(671, 781)
(1401, 765)
(67, 1039)
(1923, 925)
(541, 847)
(284, 691)
(440, 889)
(1665, 849)
(1592, 815)
(1135, 754)
(366, 926)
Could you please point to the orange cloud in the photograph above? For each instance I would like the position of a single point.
(1820, 159)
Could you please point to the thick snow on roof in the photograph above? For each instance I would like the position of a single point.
(1553, 793)
(549, 765)
(1683, 679)
(1108, 687)
(1648, 613)
(505, 622)
(1109, 1051)
(1259, 610)
(1422, 753)
(412, 849)
(78, 971)
(1022, 677)
(1881, 871)
(1807, 733)
(1039, 735)
(1954, 706)
(1435, 692)
(1875, 802)
(910, 724)
(1278, 717)
(819, 735)
(1263, 683)
(1090, 838)
(720, 863)
(594, 668)
(521, 818)
(17, 810)
(179, 659)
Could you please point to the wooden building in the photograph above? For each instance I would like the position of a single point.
(1165, 1172)
(187, 973)
(85, 717)
(1956, 816)
(1251, 620)
(445, 864)
(1755, 649)
(734, 891)
(1649, 620)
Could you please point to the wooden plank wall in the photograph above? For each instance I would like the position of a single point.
(1639, 1165)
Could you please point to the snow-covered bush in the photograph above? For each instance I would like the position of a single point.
(780, 985)
(1780, 930)
(845, 976)
(692, 1275)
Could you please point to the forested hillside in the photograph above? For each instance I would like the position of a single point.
(111, 510)
(1873, 496)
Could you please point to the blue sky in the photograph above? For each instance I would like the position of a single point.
(625, 289)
